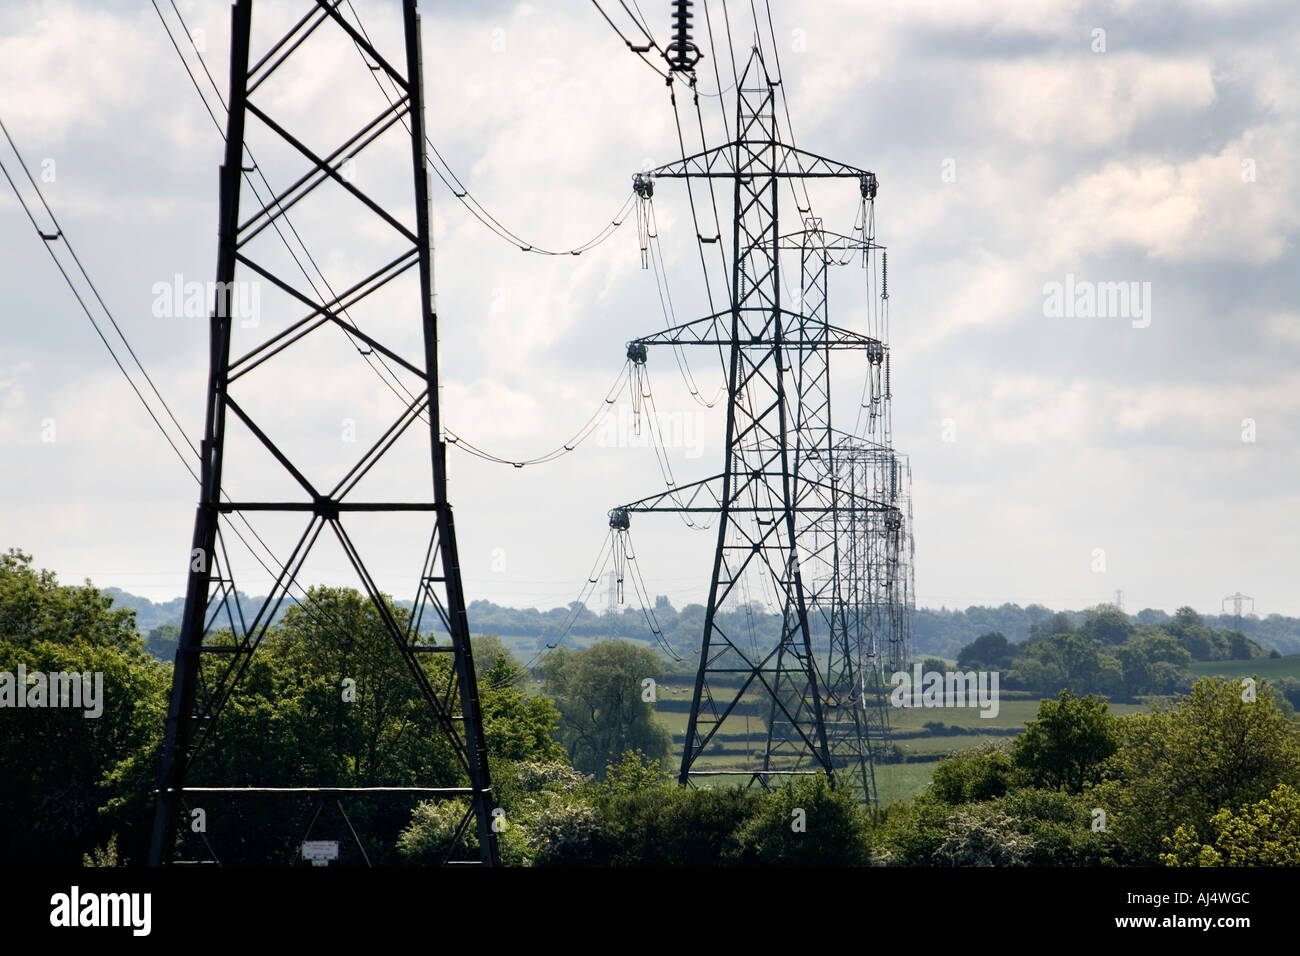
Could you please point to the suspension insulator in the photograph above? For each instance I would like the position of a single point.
(619, 520)
(884, 275)
(682, 53)
(636, 352)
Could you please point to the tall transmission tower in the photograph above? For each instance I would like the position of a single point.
(1238, 602)
(246, 388)
(778, 499)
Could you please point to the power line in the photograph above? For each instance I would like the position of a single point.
(396, 386)
(60, 235)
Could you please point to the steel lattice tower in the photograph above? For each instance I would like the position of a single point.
(211, 660)
(778, 497)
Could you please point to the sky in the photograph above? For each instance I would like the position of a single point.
(1027, 153)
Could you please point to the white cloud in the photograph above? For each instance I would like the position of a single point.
(1181, 211)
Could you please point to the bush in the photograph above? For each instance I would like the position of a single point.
(807, 823)
(983, 773)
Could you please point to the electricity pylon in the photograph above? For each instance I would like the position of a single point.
(210, 660)
(777, 496)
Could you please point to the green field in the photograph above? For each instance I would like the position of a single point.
(902, 781)
(1264, 667)
(894, 781)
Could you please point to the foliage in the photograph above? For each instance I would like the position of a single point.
(1065, 746)
(1266, 833)
(1106, 625)
(1066, 661)
(599, 695)
(973, 775)
(807, 823)
(59, 763)
(981, 835)
(1178, 766)
(990, 651)
(430, 837)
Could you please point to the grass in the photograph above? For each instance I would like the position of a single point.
(902, 781)
(897, 781)
(1272, 668)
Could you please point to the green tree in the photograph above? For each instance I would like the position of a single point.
(807, 823)
(983, 773)
(1106, 625)
(1058, 623)
(599, 692)
(990, 651)
(516, 725)
(1219, 746)
(1067, 662)
(1266, 833)
(161, 642)
(57, 788)
(1064, 747)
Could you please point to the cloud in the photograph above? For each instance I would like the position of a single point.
(1120, 166)
(1230, 205)
(1091, 100)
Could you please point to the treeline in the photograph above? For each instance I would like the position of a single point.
(1108, 654)
(940, 632)
(943, 632)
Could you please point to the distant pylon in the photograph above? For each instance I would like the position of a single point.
(1238, 599)
(777, 499)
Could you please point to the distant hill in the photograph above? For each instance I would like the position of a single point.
(939, 632)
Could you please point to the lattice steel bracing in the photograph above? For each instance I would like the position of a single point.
(876, 571)
(777, 499)
(247, 387)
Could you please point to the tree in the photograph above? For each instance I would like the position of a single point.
(1219, 746)
(1266, 833)
(1064, 747)
(990, 651)
(1189, 629)
(516, 725)
(807, 823)
(982, 835)
(1154, 663)
(984, 773)
(161, 642)
(602, 705)
(61, 762)
(1067, 661)
(1058, 623)
(1106, 625)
